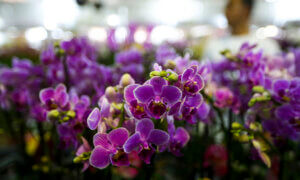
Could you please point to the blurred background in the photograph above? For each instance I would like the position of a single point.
(27, 24)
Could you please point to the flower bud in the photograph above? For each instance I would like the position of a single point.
(258, 89)
(173, 77)
(126, 80)
(53, 114)
(170, 64)
(163, 73)
(110, 93)
(64, 119)
(236, 126)
(154, 73)
(71, 114)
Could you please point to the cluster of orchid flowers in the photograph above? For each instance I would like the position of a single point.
(141, 117)
(133, 112)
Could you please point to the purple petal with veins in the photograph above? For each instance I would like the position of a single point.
(158, 137)
(101, 139)
(193, 100)
(99, 158)
(46, 94)
(158, 83)
(93, 119)
(171, 94)
(144, 93)
(144, 127)
(128, 93)
(132, 143)
(118, 137)
(186, 74)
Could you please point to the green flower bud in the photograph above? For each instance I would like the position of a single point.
(64, 119)
(163, 73)
(126, 80)
(258, 89)
(53, 114)
(77, 159)
(110, 92)
(71, 114)
(173, 77)
(252, 102)
(154, 73)
(170, 64)
(236, 126)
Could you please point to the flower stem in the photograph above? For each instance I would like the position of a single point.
(229, 143)
(122, 116)
(66, 72)
(216, 109)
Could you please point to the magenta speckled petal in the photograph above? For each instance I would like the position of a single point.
(171, 94)
(144, 127)
(144, 93)
(132, 143)
(158, 83)
(158, 137)
(99, 158)
(93, 119)
(118, 136)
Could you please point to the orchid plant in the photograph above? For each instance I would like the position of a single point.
(149, 103)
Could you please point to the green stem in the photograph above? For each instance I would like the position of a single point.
(229, 143)
(216, 109)
(122, 116)
(66, 72)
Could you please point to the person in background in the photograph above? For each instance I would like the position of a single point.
(238, 14)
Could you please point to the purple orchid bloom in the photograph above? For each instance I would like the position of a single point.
(192, 82)
(109, 149)
(225, 98)
(186, 109)
(156, 96)
(54, 98)
(203, 113)
(144, 137)
(178, 139)
(132, 106)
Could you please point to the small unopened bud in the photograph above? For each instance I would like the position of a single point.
(64, 119)
(110, 93)
(236, 126)
(60, 52)
(71, 114)
(154, 73)
(173, 77)
(258, 89)
(53, 114)
(170, 64)
(82, 157)
(163, 73)
(77, 159)
(126, 80)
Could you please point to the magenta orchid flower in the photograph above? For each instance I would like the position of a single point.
(109, 149)
(178, 139)
(191, 81)
(144, 137)
(54, 98)
(155, 97)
